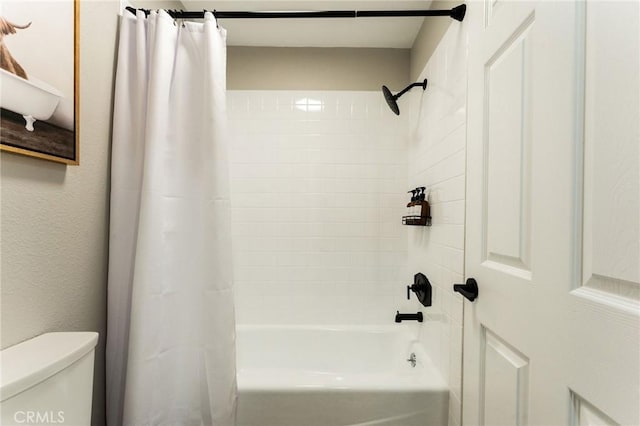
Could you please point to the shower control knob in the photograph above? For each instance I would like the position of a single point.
(422, 288)
(469, 289)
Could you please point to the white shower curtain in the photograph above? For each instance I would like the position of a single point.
(171, 329)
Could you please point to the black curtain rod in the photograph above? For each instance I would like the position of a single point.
(456, 13)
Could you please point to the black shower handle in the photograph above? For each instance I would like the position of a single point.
(415, 287)
(410, 287)
(469, 289)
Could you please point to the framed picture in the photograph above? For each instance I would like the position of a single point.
(39, 79)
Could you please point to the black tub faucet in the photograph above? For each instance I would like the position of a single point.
(409, 317)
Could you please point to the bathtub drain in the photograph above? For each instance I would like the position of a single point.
(412, 360)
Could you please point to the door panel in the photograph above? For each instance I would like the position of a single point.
(585, 414)
(505, 379)
(611, 151)
(506, 153)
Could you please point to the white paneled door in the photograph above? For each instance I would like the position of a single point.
(553, 214)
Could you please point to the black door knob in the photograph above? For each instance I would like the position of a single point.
(468, 289)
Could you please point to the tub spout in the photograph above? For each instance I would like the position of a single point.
(409, 317)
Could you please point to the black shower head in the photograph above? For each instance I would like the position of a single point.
(392, 100)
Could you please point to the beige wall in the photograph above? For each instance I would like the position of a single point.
(159, 4)
(54, 218)
(429, 36)
(294, 68)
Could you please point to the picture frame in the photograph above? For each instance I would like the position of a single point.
(39, 79)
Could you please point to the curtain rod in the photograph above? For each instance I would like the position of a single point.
(456, 13)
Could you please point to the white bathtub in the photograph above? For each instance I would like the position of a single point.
(336, 376)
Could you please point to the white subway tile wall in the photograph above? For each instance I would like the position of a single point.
(437, 144)
(317, 193)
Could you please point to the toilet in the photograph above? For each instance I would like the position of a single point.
(48, 380)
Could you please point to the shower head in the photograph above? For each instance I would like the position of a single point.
(392, 100)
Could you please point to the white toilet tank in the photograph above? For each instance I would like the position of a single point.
(48, 380)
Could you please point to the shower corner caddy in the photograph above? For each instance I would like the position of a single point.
(424, 219)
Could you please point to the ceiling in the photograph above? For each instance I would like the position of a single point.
(345, 32)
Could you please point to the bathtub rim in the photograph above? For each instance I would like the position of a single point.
(36, 83)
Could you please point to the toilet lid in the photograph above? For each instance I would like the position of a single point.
(29, 363)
